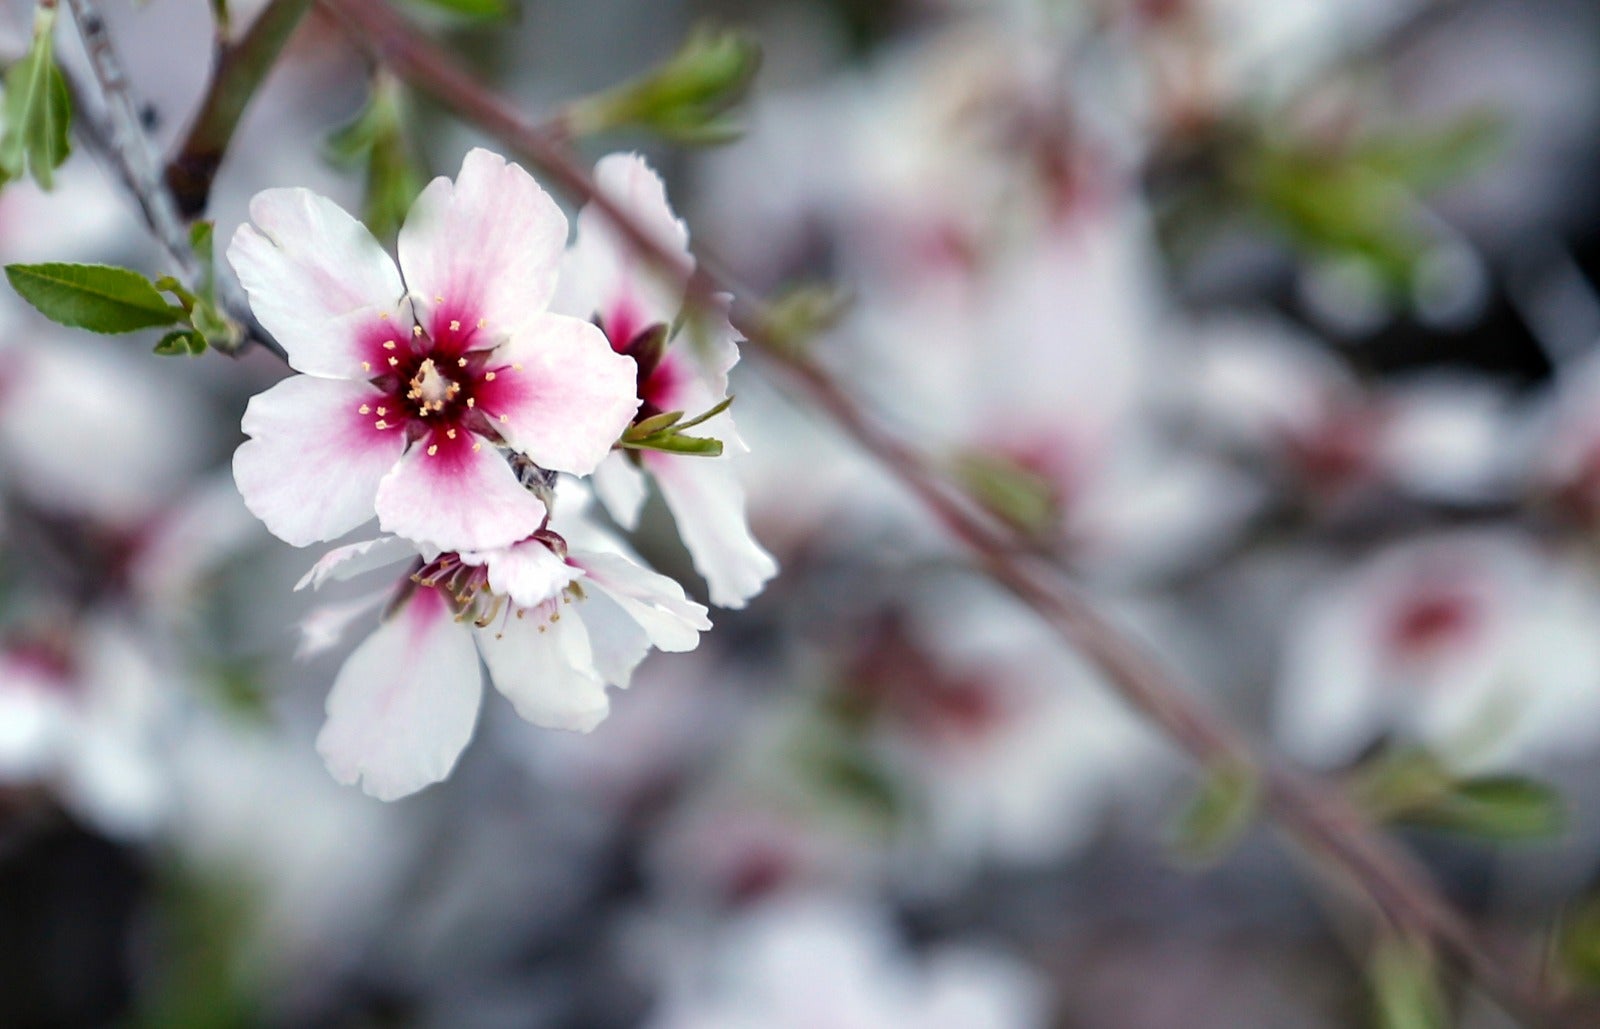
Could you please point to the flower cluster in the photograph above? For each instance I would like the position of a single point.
(453, 397)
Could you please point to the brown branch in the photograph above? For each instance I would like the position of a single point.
(239, 71)
(1313, 810)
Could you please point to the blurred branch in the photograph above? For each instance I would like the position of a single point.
(1314, 810)
(239, 70)
(120, 135)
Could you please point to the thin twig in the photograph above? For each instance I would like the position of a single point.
(120, 135)
(240, 68)
(1315, 811)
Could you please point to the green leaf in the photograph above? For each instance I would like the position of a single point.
(1405, 990)
(376, 141)
(477, 9)
(803, 313)
(674, 443)
(647, 427)
(706, 415)
(38, 111)
(1220, 812)
(181, 343)
(1501, 807)
(1577, 942)
(684, 98)
(97, 297)
(1016, 494)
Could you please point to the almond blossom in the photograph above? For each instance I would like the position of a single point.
(638, 306)
(417, 377)
(554, 627)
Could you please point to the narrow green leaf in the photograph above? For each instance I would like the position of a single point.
(1219, 813)
(684, 98)
(1501, 807)
(647, 427)
(802, 314)
(1019, 495)
(672, 443)
(1405, 989)
(376, 140)
(181, 343)
(478, 9)
(38, 110)
(707, 415)
(97, 297)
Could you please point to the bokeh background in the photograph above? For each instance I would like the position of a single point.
(1275, 321)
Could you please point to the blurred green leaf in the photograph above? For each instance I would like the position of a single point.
(1405, 987)
(38, 111)
(1016, 494)
(1217, 817)
(100, 298)
(803, 313)
(196, 980)
(1577, 942)
(685, 98)
(376, 141)
(1497, 808)
(476, 9)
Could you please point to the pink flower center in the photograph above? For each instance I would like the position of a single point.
(437, 385)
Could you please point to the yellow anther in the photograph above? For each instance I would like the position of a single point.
(438, 300)
(394, 362)
(451, 433)
(488, 377)
(363, 409)
(503, 418)
(477, 446)
(380, 424)
(461, 362)
(366, 366)
(472, 401)
(433, 448)
(455, 326)
(516, 367)
(389, 344)
(416, 330)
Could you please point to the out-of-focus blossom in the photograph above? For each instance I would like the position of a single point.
(1478, 645)
(82, 714)
(413, 388)
(639, 307)
(812, 961)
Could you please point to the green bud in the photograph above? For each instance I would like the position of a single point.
(684, 99)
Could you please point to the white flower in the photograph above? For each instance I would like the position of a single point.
(553, 628)
(806, 962)
(636, 304)
(1475, 644)
(412, 388)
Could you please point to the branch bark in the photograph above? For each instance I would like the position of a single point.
(239, 70)
(1315, 811)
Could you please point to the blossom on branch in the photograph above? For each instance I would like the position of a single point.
(683, 357)
(554, 627)
(419, 379)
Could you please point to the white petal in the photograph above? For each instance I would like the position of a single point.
(621, 487)
(608, 278)
(312, 466)
(546, 669)
(560, 394)
(403, 706)
(489, 244)
(529, 572)
(317, 281)
(324, 627)
(671, 620)
(708, 506)
(456, 498)
(617, 640)
(355, 559)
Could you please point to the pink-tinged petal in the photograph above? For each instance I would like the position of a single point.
(671, 620)
(620, 485)
(355, 559)
(318, 282)
(559, 394)
(323, 628)
(681, 383)
(403, 706)
(487, 246)
(708, 506)
(545, 668)
(312, 465)
(604, 277)
(530, 573)
(448, 494)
